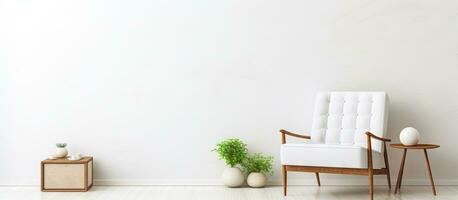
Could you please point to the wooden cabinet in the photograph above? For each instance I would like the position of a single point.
(63, 175)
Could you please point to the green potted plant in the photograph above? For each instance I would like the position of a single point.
(257, 166)
(233, 152)
(61, 151)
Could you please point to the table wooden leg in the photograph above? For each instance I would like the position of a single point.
(401, 172)
(430, 173)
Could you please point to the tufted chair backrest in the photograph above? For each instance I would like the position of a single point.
(342, 118)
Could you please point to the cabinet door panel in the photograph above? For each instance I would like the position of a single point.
(64, 176)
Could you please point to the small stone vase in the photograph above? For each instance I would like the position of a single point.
(60, 152)
(257, 180)
(232, 177)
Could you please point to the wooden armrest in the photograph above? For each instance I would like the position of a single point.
(284, 132)
(369, 134)
(370, 166)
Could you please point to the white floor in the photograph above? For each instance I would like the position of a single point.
(222, 193)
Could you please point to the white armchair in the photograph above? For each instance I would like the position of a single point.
(347, 137)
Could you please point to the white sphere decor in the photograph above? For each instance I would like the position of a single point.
(409, 136)
(232, 177)
(257, 180)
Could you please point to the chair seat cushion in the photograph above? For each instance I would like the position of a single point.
(326, 155)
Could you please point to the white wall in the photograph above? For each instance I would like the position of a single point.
(148, 87)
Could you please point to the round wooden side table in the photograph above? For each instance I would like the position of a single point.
(423, 147)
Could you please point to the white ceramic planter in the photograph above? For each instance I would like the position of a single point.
(60, 152)
(409, 136)
(257, 180)
(232, 177)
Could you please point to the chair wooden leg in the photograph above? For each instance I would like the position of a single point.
(387, 166)
(430, 173)
(317, 175)
(370, 168)
(388, 178)
(285, 174)
(371, 184)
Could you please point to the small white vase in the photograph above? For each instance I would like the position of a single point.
(256, 179)
(60, 152)
(232, 177)
(409, 136)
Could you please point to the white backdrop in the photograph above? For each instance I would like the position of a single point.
(148, 87)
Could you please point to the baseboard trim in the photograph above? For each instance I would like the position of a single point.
(217, 182)
(364, 182)
(157, 182)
